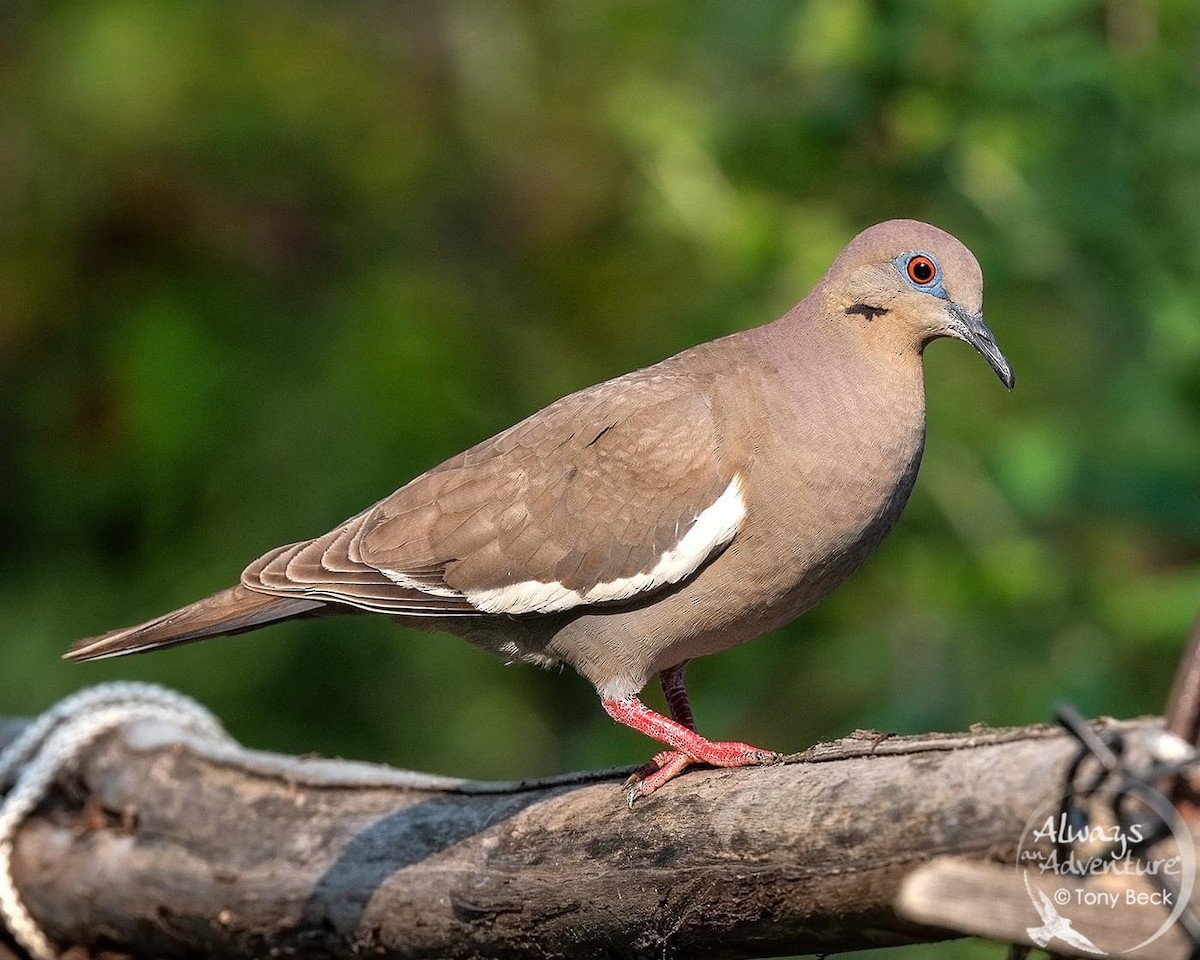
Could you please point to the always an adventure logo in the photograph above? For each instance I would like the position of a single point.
(1106, 874)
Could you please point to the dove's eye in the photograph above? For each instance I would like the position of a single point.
(921, 269)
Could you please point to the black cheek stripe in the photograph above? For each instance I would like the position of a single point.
(866, 310)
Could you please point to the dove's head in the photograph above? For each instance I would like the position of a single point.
(908, 283)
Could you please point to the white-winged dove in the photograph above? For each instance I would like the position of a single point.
(676, 511)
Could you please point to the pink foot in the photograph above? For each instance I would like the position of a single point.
(649, 777)
(689, 747)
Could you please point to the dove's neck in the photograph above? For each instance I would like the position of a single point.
(829, 359)
(848, 411)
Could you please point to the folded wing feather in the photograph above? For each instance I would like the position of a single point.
(612, 492)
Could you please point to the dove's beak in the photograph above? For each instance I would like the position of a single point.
(970, 328)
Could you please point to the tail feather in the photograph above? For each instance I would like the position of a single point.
(230, 611)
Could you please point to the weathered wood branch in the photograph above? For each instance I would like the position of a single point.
(163, 845)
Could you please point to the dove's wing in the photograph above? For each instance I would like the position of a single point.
(613, 492)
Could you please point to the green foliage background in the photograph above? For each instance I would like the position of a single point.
(262, 263)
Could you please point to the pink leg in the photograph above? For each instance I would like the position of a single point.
(670, 763)
(688, 745)
(676, 690)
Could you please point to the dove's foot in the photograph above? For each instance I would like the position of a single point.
(689, 748)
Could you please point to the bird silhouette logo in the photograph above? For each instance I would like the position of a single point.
(1054, 925)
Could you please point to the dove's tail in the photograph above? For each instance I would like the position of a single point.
(231, 611)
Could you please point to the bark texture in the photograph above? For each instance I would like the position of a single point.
(162, 845)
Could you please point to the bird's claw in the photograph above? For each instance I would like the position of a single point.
(650, 776)
(669, 764)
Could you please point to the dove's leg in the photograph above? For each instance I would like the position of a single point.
(675, 688)
(688, 746)
(653, 774)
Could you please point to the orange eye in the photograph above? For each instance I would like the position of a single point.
(921, 270)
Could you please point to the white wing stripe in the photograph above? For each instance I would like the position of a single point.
(713, 528)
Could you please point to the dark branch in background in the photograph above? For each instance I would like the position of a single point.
(165, 849)
(1183, 705)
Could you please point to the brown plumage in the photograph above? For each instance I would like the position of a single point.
(664, 515)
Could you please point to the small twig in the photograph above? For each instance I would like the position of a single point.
(1183, 705)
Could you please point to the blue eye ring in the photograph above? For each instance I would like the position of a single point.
(921, 271)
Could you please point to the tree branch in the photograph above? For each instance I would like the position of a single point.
(164, 845)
